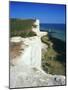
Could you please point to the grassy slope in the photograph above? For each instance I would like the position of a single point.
(53, 61)
(22, 28)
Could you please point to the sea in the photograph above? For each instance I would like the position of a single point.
(57, 31)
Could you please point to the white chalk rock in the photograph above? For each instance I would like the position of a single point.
(16, 39)
(28, 72)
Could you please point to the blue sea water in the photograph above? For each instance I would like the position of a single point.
(55, 30)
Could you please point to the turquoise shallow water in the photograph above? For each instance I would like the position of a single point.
(55, 30)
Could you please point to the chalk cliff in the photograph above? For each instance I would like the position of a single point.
(27, 71)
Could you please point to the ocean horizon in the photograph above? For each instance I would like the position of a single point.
(55, 30)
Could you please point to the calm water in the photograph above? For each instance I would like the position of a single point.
(55, 30)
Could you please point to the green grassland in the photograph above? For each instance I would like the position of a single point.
(19, 27)
(52, 60)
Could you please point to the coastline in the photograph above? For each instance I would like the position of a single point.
(30, 69)
(58, 49)
(26, 74)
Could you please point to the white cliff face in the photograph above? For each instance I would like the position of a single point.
(30, 56)
(37, 29)
(27, 71)
(16, 39)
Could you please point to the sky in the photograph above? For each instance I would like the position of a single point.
(46, 13)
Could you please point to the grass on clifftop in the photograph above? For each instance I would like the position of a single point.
(50, 61)
(22, 28)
